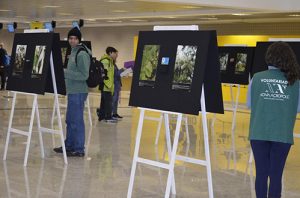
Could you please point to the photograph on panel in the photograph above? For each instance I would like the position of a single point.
(223, 57)
(149, 65)
(64, 54)
(184, 67)
(241, 62)
(20, 59)
(38, 61)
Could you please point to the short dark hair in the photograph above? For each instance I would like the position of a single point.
(111, 50)
(282, 56)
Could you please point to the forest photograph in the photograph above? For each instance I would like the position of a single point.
(149, 63)
(241, 61)
(184, 65)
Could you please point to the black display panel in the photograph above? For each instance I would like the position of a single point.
(30, 62)
(170, 69)
(259, 63)
(235, 64)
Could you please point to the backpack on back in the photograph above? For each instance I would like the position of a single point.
(6, 60)
(96, 71)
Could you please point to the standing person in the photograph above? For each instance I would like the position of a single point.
(77, 91)
(3, 54)
(273, 97)
(116, 96)
(105, 111)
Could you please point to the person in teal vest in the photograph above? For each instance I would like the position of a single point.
(273, 97)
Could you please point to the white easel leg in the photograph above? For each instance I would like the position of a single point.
(173, 156)
(61, 130)
(40, 132)
(89, 110)
(206, 143)
(158, 129)
(10, 124)
(30, 129)
(169, 146)
(52, 123)
(136, 152)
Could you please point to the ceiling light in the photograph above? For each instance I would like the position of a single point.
(294, 15)
(209, 18)
(116, 1)
(120, 11)
(90, 19)
(5, 10)
(241, 14)
(191, 7)
(113, 21)
(138, 20)
(170, 17)
(65, 14)
(51, 6)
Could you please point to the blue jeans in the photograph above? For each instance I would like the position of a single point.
(115, 102)
(270, 159)
(75, 122)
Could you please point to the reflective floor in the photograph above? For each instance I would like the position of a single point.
(105, 170)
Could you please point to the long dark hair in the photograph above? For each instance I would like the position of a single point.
(281, 55)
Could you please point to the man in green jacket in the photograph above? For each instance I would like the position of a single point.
(76, 75)
(107, 92)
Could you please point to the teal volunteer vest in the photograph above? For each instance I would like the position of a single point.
(273, 107)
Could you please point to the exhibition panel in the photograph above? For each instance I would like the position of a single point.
(30, 63)
(235, 64)
(170, 69)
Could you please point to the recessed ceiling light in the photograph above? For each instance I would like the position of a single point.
(65, 14)
(241, 14)
(294, 15)
(191, 7)
(120, 11)
(209, 18)
(138, 20)
(116, 1)
(169, 17)
(51, 6)
(114, 21)
(5, 10)
(90, 19)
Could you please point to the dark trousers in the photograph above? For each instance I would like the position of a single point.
(105, 105)
(270, 158)
(3, 77)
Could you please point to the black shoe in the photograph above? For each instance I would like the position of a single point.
(75, 154)
(117, 116)
(60, 150)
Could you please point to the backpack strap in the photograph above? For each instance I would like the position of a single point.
(82, 48)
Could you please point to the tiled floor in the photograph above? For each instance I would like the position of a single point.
(105, 170)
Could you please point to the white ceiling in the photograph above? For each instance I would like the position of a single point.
(141, 12)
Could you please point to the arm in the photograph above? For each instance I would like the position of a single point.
(83, 61)
(249, 95)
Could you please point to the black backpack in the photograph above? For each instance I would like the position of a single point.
(96, 72)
